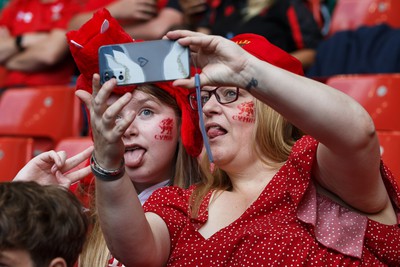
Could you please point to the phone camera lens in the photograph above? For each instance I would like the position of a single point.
(121, 77)
(106, 76)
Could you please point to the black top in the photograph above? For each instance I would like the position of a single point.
(288, 24)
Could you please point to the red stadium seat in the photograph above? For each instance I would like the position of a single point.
(15, 152)
(378, 93)
(3, 74)
(351, 14)
(74, 145)
(390, 151)
(46, 113)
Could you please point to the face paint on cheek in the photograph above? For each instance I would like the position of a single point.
(166, 126)
(246, 112)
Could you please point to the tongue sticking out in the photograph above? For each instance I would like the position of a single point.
(215, 131)
(134, 157)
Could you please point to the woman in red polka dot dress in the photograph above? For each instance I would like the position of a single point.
(275, 198)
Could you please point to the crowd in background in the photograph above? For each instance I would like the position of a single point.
(33, 48)
(34, 51)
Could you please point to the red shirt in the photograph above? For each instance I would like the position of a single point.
(288, 225)
(23, 16)
(92, 5)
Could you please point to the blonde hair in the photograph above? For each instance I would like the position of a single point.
(272, 143)
(187, 172)
(255, 7)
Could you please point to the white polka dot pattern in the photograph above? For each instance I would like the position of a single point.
(269, 233)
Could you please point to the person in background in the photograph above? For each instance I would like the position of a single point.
(40, 226)
(288, 24)
(194, 12)
(142, 19)
(276, 197)
(33, 47)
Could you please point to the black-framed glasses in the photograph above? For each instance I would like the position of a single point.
(224, 95)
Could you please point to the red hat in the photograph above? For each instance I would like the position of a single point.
(190, 131)
(261, 48)
(103, 29)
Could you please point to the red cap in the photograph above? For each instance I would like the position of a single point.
(103, 29)
(261, 48)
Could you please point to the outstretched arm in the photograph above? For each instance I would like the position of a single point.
(129, 232)
(348, 158)
(126, 11)
(54, 168)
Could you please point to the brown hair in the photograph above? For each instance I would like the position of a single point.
(47, 221)
(187, 172)
(272, 143)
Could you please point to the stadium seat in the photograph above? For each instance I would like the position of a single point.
(15, 152)
(46, 113)
(74, 145)
(390, 151)
(3, 74)
(351, 14)
(378, 93)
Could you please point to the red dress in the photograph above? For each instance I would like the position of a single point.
(288, 225)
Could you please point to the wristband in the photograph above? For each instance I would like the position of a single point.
(18, 42)
(104, 174)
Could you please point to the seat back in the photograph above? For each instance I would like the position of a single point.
(74, 145)
(46, 113)
(3, 74)
(351, 14)
(379, 94)
(15, 152)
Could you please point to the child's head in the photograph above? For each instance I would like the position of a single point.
(163, 140)
(44, 224)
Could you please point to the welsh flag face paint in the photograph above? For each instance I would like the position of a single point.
(166, 126)
(246, 112)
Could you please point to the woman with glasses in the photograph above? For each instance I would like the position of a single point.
(275, 198)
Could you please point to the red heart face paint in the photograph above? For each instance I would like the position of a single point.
(246, 112)
(166, 126)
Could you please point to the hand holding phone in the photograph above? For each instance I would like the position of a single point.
(144, 62)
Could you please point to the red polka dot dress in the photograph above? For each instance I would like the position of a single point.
(288, 225)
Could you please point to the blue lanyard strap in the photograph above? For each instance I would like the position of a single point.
(200, 110)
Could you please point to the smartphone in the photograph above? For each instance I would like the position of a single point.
(144, 62)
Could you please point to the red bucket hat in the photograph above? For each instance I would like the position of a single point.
(261, 48)
(103, 29)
